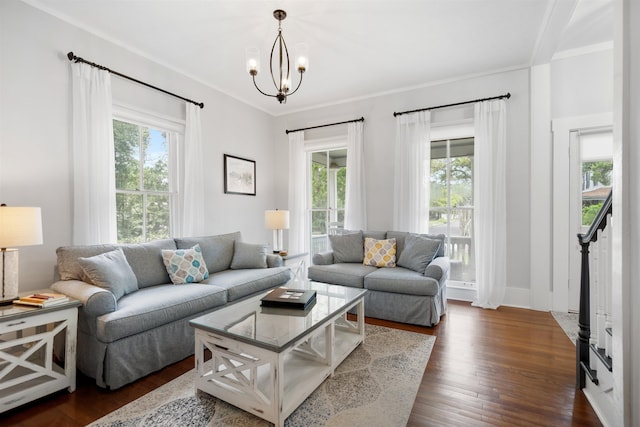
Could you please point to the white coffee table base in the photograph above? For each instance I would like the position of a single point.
(272, 385)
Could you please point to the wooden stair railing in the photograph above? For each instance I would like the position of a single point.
(583, 367)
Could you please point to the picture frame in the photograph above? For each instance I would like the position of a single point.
(239, 175)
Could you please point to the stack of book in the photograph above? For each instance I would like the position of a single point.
(289, 298)
(44, 299)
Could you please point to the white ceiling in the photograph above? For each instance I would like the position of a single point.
(358, 48)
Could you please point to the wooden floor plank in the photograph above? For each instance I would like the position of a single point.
(505, 367)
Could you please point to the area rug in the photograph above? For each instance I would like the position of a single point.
(375, 386)
(569, 324)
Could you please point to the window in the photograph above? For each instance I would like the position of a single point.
(328, 173)
(596, 158)
(451, 203)
(145, 166)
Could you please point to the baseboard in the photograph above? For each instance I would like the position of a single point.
(461, 294)
(514, 297)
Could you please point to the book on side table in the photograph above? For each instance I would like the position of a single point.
(289, 298)
(45, 299)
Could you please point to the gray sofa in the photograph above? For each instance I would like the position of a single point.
(413, 291)
(137, 321)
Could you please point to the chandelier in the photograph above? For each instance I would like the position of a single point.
(282, 77)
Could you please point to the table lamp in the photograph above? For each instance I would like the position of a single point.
(19, 226)
(277, 221)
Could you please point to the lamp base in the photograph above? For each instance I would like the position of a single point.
(9, 276)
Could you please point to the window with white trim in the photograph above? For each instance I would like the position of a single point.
(145, 173)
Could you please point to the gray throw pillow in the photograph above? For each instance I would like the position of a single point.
(110, 271)
(249, 255)
(217, 251)
(418, 252)
(347, 247)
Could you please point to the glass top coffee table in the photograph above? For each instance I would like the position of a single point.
(267, 360)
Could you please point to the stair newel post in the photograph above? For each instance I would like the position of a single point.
(584, 317)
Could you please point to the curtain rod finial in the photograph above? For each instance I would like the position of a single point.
(71, 56)
(508, 95)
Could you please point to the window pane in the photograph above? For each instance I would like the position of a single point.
(158, 217)
(461, 181)
(341, 187)
(596, 184)
(319, 183)
(129, 218)
(319, 240)
(438, 219)
(156, 160)
(126, 140)
(461, 245)
(438, 196)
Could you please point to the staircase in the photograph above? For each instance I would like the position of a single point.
(593, 346)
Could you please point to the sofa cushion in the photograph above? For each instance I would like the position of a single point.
(347, 247)
(240, 283)
(249, 255)
(418, 252)
(402, 281)
(145, 260)
(185, 265)
(217, 251)
(110, 271)
(345, 274)
(155, 306)
(68, 266)
(401, 235)
(379, 253)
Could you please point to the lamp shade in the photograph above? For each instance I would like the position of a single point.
(20, 226)
(276, 220)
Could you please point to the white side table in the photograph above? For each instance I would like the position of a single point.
(37, 352)
(297, 263)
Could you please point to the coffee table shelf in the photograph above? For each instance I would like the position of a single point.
(268, 364)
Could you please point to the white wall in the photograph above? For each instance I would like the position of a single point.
(35, 130)
(582, 85)
(379, 135)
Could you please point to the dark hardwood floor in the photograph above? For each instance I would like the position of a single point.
(505, 367)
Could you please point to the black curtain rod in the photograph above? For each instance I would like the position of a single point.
(72, 57)
(361, 119)
(507, 95)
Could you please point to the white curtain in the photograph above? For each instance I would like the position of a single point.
(94, 193)
(298, 233)
(411, 172)
(193, 194)
(355, 211)
(490, 202)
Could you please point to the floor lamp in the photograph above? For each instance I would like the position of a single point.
(19, 226)
(277, 221)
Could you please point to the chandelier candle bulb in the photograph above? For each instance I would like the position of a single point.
(253, 62)
(302, 57)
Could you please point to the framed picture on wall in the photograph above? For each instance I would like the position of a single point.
(239, 175)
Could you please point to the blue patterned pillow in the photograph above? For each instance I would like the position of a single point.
(185, 265)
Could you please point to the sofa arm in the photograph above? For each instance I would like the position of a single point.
(274, 260)
(323, 258)
(438, 268)
(95, 301)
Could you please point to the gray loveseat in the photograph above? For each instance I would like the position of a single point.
(137, 320)
(413, 291)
